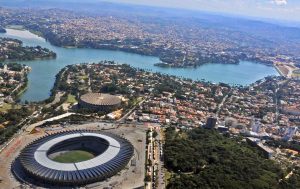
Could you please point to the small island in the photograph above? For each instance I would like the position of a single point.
(13, 49)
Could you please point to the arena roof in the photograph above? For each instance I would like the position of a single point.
(100, 99)
(35, 161)
(41, 156)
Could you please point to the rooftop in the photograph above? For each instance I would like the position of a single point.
(100, 99)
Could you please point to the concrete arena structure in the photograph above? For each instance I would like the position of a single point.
(112, 154)
(99, 101)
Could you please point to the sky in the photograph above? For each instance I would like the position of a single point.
(275, 9)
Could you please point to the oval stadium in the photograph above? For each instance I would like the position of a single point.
(99, 101)
(75, 157)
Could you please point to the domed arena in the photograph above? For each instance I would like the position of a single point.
(99, 101)
(74, 158)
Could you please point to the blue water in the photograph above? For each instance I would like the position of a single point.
(42, 76)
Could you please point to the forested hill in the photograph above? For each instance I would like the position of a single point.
(205, 159)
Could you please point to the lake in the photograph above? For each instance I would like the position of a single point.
(42, 76)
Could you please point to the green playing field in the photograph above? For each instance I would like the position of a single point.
(73, 156)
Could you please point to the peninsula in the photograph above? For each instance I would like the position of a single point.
(13, 49)
(179, 42)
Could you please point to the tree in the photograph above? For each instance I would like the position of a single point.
(203, 158)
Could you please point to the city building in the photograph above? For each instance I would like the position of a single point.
(99, 102)
(211, 123)
(37, 160)
(256, 126)
(268, 152)
(290, 132)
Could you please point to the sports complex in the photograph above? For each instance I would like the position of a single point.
(99, 101)
(77, 157)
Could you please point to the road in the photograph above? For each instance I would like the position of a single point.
(276, 99)
(276, 102)
(29, 128)
(221, 104)
(56, 99)
(159, 160)
(122, 119)
(32, 126)
(131, 177)
(156, 170)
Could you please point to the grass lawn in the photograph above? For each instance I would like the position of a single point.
(136, 101)
(73, 156)
(82, 77)
(5, 107)
(71, 99)
(168, 176)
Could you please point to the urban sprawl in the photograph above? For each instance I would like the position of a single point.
(143, 106)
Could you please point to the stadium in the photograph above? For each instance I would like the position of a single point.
(99, 101)
(73, 158)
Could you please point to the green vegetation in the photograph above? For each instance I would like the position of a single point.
(206, 159)
(71, 99)
(168, 85)
(83, 77)
(13, 117)
(22, 89)
(154, 134)
(73, 156)
(40, 34)
(58, 81)
(13, 66)
(293, 145)
(13, 49)
(5, 107)
(293, 181)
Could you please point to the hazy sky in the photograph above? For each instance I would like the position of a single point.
(278, 9)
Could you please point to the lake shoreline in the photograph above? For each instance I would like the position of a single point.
(162, 63)
(42, 76)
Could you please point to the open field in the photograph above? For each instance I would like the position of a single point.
(287, 70)
(283, 71)
(5, 107)
(73, 156)
(71, 99)
(83, 77)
